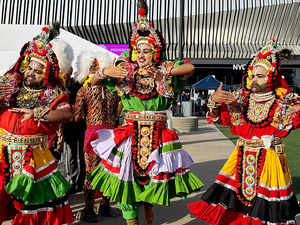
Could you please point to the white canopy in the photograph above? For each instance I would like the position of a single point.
(13, 37)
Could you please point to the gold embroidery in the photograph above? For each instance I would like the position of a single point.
(258, 112)
(28, 98)
(144, 84)
(249, 179)
(145, 136)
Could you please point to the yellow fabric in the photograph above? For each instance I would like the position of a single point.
(230, 166)
(275, 174)
(41, 157)
(2, 131)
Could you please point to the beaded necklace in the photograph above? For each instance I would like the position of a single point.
(27, 97)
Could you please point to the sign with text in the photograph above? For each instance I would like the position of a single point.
(239, 66)
(115, 48)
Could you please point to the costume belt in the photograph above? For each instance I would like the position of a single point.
(259, 143)
(17, 139)
(146, 116)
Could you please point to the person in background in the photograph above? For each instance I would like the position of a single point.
(98, 107)
(69, 143)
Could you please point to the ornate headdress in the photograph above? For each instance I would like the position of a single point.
(269, 58)
(143, 32)
(84, 62)
(65, 55)
(39, 50)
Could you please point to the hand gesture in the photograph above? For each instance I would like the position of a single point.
(28, 113)
(222, 96)
(115, 72)
(6, 89)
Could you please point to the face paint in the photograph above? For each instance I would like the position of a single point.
(34, 74)
(259, 80)
(144, 55)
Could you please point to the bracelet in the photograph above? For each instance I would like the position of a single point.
(40, 112)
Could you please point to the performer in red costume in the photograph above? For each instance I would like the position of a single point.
(32, 104)
(254, 187)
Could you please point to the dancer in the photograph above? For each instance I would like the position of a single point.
(98, 107)
(254, 186)
(142, 161)
(32, 191)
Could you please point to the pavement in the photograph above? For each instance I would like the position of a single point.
(209, 148)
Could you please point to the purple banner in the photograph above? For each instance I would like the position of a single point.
(115, 48)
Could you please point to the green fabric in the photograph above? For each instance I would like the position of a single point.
(24, 188)
(125, 192)
(158, 103)
(155, 193)
(129, 211)
(162, 193)
(171, 147)
(133, 103)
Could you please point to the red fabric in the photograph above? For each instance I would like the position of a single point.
(247, 131)
(218, 215)
(234, 183)
(62, 98)
(207, 212)
(110, 167)
(122, 133)
(169, 135)
(7, 210)
(285, 85)
(167, 176)
(91, 135)
(275, 193)
(11, 122)
(45, 171)
(61, 215)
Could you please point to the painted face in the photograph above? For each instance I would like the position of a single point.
(34, 74)
(259, 80)
(144, 55)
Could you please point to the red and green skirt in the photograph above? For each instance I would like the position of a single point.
(32, 190)
(138, 154)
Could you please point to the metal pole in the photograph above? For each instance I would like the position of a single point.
(181, 29)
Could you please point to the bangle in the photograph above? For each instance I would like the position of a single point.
(40, 112)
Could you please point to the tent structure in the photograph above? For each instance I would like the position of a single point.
(13, 37)
(208, 83)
